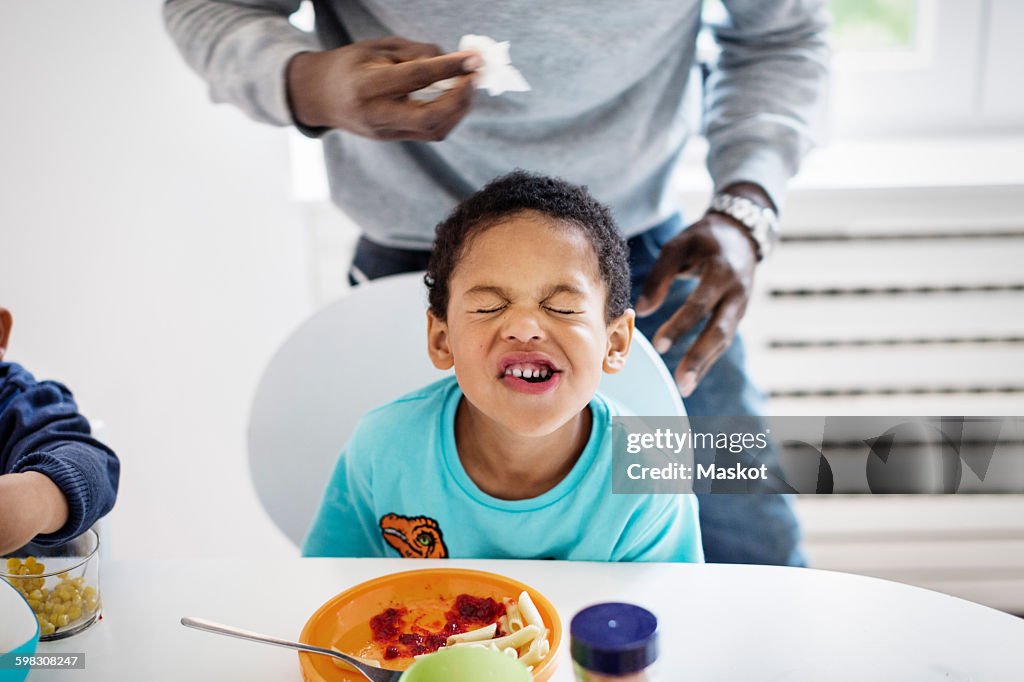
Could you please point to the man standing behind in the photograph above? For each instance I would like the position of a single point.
(606, 110)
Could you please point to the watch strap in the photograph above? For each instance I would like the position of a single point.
(760, 221)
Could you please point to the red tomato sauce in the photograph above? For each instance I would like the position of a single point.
(401, 639)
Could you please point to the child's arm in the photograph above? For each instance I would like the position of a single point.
(42, 436)
(30, 504)
(345, 525)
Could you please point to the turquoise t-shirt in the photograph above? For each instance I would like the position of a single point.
(399, 489)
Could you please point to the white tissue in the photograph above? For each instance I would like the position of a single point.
(496, 75)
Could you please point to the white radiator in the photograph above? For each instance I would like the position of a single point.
(902, 302)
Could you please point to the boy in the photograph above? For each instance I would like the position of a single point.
(55, 479)
(511, 458)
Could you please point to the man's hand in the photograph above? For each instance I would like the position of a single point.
(722, 254)
(363, 88)
(30, 504)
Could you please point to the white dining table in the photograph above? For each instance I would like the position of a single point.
(717, 622)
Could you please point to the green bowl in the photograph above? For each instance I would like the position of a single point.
(466, 664)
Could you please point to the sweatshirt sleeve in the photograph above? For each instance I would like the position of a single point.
(241, 49)
(766, 93)
(41, 430)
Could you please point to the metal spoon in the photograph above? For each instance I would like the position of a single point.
(366, 670)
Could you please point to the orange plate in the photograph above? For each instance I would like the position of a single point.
(344, 621)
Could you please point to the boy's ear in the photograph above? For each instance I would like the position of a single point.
(438, 347)
(620, 336)
(5, 329)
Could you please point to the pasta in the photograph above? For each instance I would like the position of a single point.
(513, 627)
(527, 638)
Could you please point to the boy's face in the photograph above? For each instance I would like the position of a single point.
(526, 329)
(5, 330)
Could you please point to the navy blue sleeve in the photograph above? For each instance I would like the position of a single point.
(41, 430)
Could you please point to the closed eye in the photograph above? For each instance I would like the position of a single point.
(563, 311)
(486, 311)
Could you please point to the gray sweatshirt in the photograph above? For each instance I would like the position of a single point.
(606, 109)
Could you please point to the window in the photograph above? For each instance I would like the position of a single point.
(873, 24)
(920, 67)
(926, 67)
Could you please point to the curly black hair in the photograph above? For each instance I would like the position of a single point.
(571, 205)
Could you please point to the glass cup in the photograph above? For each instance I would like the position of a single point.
(61, 584)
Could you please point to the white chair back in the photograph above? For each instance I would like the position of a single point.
(360, 352)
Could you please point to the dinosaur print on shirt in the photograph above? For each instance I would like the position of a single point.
(414, 537)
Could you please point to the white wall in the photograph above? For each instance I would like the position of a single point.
(151, 259)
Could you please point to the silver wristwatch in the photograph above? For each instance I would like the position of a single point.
(760, 221)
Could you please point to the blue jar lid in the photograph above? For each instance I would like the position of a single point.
(614, 638)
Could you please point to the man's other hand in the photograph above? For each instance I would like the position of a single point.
(721, 253)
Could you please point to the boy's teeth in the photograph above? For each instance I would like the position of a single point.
(529, 372)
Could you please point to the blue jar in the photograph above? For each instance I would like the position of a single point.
(614, 642)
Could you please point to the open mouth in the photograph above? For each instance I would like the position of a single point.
(530, 372)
